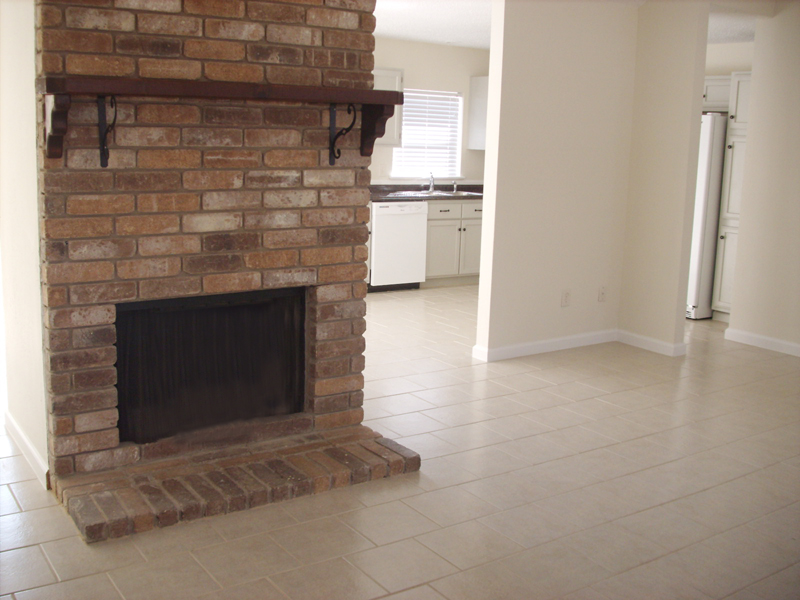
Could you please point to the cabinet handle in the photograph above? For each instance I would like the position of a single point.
(730, 146)
(442, 210)
(722, 237)
(478, 210)
(733, 117)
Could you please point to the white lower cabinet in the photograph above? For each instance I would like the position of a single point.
(444, 247)
(454, 239)
(470, 250)
(723, 272)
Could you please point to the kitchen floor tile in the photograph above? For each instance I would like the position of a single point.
(94, 587)
(72, 558)
(320, 540)
(402, 565)
(31, 495)
(332, 580)
(450, 506)
(35, 527)
(24, 568)
(676, 477)
(244, 559)
(175, 577)
(469, 544)
(260, 589)
(387, 523)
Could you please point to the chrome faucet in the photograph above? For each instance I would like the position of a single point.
(431, 187)
(455, 187)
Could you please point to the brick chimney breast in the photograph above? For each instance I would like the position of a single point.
(200, 197)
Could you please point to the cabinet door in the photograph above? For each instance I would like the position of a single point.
(739, 109)
(723, 273)
(470, 256)
(732, 177)
(716, 93)
(392, 80)
(476, 123)
(444, 210)
(444, 248)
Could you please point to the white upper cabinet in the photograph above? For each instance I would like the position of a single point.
(716, 93)
(739, 103)
(478, 100)
(392, 80)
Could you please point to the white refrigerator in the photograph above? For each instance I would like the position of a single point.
(706, 216)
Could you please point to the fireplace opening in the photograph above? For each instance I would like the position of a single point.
(190, 363)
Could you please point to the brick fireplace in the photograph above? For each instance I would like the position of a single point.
(205, 193)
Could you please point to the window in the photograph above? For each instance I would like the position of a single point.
(431, 135)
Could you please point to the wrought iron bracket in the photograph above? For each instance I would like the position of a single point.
(334, 152)
(103, 128)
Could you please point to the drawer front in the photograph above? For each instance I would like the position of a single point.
(472, 210)
(444, 210)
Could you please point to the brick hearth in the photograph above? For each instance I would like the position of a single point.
(152, 494)
(201, 196)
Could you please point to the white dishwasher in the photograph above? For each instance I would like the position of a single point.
(398, 242)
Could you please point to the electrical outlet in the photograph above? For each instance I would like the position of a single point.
(601, 294)
(565, 298)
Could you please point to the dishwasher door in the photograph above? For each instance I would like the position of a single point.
(399, 241)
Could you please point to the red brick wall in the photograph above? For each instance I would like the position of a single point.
(200, 196)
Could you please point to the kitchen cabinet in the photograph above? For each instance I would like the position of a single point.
(392, 80)
(732, 177)
(723, 271)
(716, 93)
(476, 123)
(454, 238)
(739, 102)
(731, 197)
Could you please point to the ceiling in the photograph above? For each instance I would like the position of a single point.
(466, 22)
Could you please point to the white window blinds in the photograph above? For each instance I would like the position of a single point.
(431, 135)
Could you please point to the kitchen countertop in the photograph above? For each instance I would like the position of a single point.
(412, 193)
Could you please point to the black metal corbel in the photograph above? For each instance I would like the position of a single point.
(103, 129)
(333, 151)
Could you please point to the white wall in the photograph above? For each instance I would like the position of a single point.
(590, 173)
(431, 67)
(558, 150)
(766, 294)
(19, 227)
(724, 59)
(670, 64)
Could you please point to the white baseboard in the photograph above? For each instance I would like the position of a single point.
(721, 316)
(651, 344)
(762, 341)
(562, 343)
(576, 341)
(37, 462)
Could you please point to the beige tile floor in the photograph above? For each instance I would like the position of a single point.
(597, 473)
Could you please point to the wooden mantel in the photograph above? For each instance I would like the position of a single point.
(377, 106)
